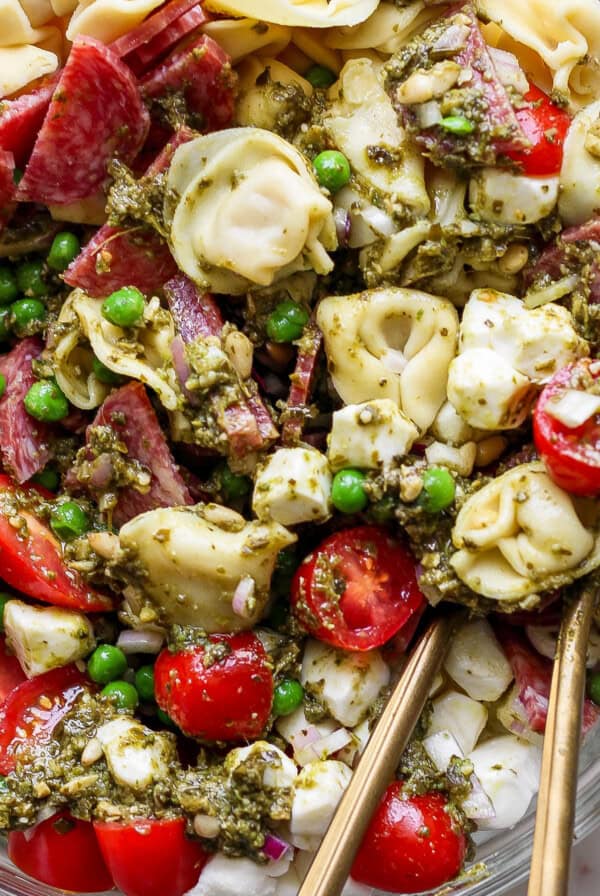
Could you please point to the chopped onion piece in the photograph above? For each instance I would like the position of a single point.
(477, 805)
(324, 747)
(275, 848)
(573, 408)
(243, 598)
(429, 113)
(378, 220)
(536, 297)
(508, 69)
(140, 641)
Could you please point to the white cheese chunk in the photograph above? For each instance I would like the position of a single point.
(293, 486)
(450, 427)
(477, 663)
(463, 717)
(319, 788)
(573, 407)
(228, 876)
(136, 756)
(487, 391)
(509, 772)
(502, 197)
(44, 638)
(369, 435)
(279, 769)
(441, 747)
(346, 683)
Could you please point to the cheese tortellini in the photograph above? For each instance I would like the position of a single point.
(194, 559)
(144, 356)
(246, 211)
(108, 19)
(24, 55)
(579, 198)
(310, 13)
(242, 37)
(390, 343)
(506, 352)
(386, 30)
(521, 535)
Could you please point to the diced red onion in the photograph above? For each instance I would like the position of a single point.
(44, 814)
(102, 471)
(323, 747)
(140, 641)
(343, 226)
(508, 69)
(304, 737)
(275, 848)
(182, 368)
(242, 597)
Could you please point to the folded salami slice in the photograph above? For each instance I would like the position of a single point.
(302, 381)
(7, 186)
(195, 313)
(150, 52)
(151, 27)
(21, 119)
(25, 444)
(566, 256)
(96, 113)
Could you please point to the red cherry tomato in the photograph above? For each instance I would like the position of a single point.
(545, 126)
(34, 708)
(63, 852)
(151, 857)
(31, 561)
(357, 589)
(229, 699)
(572, 456)
(11, 673)
(412, 844)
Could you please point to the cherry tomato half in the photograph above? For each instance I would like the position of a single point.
(572, 456)
(545, 126)
(357, 589)
(412, 844)
(225, 699)
(11, 673)
(151, 857)
(63, 852)
(31, 561)
(34, 708)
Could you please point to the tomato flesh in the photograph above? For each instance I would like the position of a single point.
(228, 700)
(63, 852)
(545, 125)
(357, 589)
(11, 673)
(34, 708)
(31, 561)
(412, 844)
(151, 857)
(571, 456)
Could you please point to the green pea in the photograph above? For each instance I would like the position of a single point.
(5, 323)
(2, 384)
(26, 312)
(438, 489)
(30, 278)
(122, 694)
(287, 697)
(332, 170)
(105, 374)
(593, 687)
(4, 599)
(49, 478)
(106, 663)
(457, 124)
(64, 248)
(69, 520)
(165, 719)
(8, 285)
(124, 307)
(320, 76)
(287, 321)
(46, 402)
(232, 485)
(348, 491)
(144, 682)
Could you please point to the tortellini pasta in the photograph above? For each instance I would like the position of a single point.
(260, 104)
(311, 13)
(108, 19)
(244, 211)
(15, 27)
(242, 37)
(579, 198)
(506, 351)
(364, 126)
(386, 30)
(39, 12)
(565, 34)
(390, 343)
(144, 356)
(521, 535)
(22, 64)
(194, 559)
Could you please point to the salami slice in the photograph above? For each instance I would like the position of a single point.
(7, 186)
(22, 118)
(149, 53)
(201, 74)
(128, 412)
(96, 113)
(151, 27)
(302, 381)
(25, 445)
(195, 313)
(564, 257)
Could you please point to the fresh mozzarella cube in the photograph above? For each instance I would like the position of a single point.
(293, 486)
(136, 756)
(369, 435)
(509, 772)
(319, 788)
(510, 712)
(346, 683)
(44, 638)
(463, 717)
(289, 884)
(441, 747)
(545, 341)
(461, 460)
(227, 876)
(356, 747)
(487, 391)
(438, 684)
(477, 663)
(279, 769)
(449, 426)
(502, 197)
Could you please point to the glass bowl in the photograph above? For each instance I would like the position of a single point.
(506, 855)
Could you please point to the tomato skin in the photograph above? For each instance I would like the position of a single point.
(381, 591)
(33, 564)
(396, 854)
(571, 456)
(11, 673)
(69, 860)
(539, 119)
(26, 717)
(229, 700)
(150, 857)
